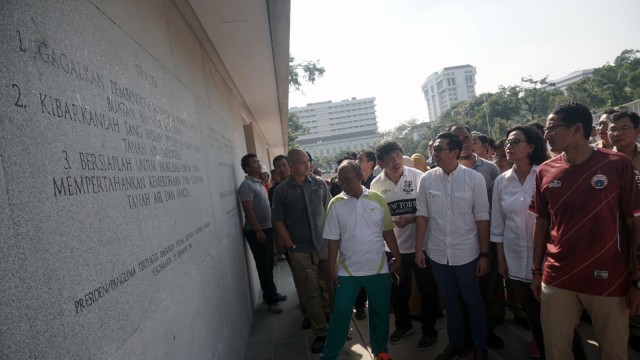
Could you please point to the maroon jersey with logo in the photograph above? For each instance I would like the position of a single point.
(587, 204)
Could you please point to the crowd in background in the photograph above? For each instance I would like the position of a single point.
(544, 217)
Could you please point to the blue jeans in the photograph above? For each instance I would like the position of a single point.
(460, 286)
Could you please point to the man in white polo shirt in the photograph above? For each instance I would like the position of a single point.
(358, 224)
(399, 186)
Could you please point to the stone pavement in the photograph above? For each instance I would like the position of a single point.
(281, 337)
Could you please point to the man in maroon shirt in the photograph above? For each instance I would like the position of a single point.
(587, 205)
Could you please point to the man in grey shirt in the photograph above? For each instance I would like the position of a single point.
(298, 213)
(257, 229)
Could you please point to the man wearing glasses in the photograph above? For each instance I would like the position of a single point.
(398, 185)
(624, 129)
(452, 205)
(298, 214)
(359, 225)
(587, 207)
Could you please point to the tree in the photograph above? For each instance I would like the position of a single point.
(296, 129)
(308, 71)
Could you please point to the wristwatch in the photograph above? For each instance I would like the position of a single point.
(484, 254)
(635, 283)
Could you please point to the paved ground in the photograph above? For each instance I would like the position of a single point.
(280, 336)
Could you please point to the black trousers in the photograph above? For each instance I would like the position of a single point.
(428, 290)
(263, 257)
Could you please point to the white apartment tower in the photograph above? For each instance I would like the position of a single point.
(448, 86)
(347, 125)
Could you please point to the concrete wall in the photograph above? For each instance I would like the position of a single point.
(119, 163)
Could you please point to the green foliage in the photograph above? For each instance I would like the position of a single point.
(610, 85)
(533, 99)
(296, 129)
(308, 71)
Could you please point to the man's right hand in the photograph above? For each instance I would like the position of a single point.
(260, 236)
(536, 286)
(420, 260)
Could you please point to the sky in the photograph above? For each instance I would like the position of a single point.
(387, 48)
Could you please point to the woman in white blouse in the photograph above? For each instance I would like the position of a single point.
(511, 222)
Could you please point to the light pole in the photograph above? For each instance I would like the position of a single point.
(486, 113)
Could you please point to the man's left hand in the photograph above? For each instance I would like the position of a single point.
(482, 268)
(633, 299)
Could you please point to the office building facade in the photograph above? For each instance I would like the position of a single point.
(336, 127)
(445, 88)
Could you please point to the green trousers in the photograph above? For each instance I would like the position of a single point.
(378, 289)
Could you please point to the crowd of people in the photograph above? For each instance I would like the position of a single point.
(550, 214)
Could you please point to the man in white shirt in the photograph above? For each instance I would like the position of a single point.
(399, 186)
(452, 201)
(358, 225)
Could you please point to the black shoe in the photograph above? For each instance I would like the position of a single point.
(318, 344)
(494, 341)
(306, 323)
(480, 355)
(426, 342)
(452, 353)
(634, 342)
(399, 335)
(281, 297)
(360, 313)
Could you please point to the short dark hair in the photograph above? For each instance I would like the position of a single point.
(370, 155)
(458, 126)
(309, 156)
(386, 147)
(491, 142)
(502, 143)
(278, 158)
(572, 113)
(533, 137)
(537, 126)
(349, 155)
(635, 119)
(244, 162)
(453, 143)
(484, 139)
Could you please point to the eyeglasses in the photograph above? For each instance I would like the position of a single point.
(622, 129)
(346, 179)
(438, 150)
(553, 128)
(514, 141)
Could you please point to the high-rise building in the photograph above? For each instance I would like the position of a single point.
(445, 88)
(564, 82)
(347, 125)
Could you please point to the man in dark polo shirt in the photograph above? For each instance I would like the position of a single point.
(257, 229)
(298, 213)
